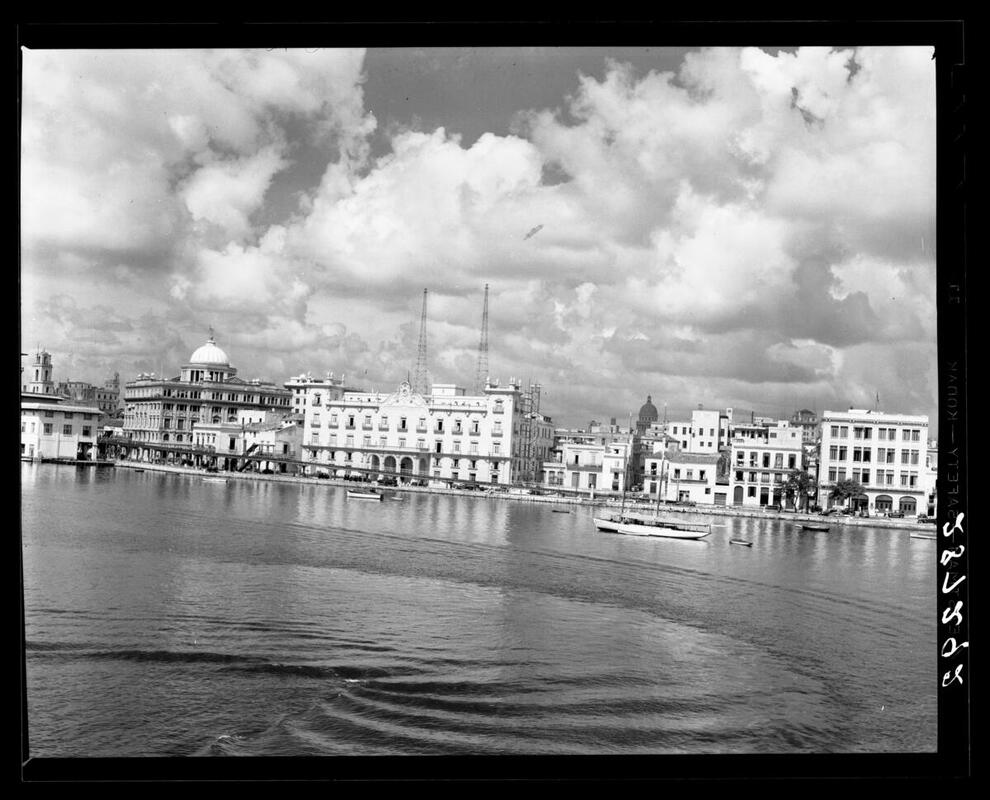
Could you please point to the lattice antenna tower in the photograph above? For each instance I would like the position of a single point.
(481, 376)
(419, 375)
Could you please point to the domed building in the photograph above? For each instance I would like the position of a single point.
(198, 417)
(648, 415)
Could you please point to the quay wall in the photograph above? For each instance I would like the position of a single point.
(609, 504)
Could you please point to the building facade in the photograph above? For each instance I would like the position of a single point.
(885, 453)
(679, 477)
(446, 437)
(59, 430)
(592, 462)
(161, 415)
(760, 462)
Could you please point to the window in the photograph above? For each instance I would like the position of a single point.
(905, 455)
(835, 431)
(882, 434)
(316, 399)
(67, 430)
(751, 491)
(867, 433)
(367, 441)
(49, 413)
(857, 454)
(843, 431)
(402, 441)
(915, 436)
(87, 430)
(832, 475)
(866, 477)
(23, 427)
(752, 477)
(842, 454)
(867, 456)
(914, 456)
(68, 415)
(701, 474)
(48, 429)
(739, 476)
(457, 447)
(233, 443)
(382, 441)
(496, 448)
(766, 459)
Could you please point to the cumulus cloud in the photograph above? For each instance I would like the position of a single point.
(750, 230)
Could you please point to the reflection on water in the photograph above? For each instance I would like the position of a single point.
(168, 615)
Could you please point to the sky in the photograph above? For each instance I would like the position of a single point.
(730, 227)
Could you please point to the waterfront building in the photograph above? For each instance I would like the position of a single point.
(761, 459)
(601, 462)
(885, 453)
(161, 414)
(444, 437)
(682, 477)
(55, 429)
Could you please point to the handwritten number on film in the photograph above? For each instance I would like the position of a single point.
(952, 615)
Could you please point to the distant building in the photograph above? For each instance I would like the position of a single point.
(600, 463)
(161, 414)
(676, 476)
(807, 421)
(59, 430)
(445, 437)
(40, 375)
(648, 416)
(887, 454)
(761, 460)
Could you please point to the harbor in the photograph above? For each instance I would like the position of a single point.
(281, 618)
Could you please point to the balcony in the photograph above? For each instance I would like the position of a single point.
(349, 427)
(497, 433)
(382, 426)
(474, 433)
(421, 429)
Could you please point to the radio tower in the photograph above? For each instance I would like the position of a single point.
(419, 376)
(481, 378)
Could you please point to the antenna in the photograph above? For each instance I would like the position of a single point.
(481, 376)
(419, 375)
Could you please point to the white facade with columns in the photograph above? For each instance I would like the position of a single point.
(447, 436)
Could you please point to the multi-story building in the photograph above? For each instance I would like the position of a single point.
(593, 462)
(59, 430)
(676, 476)
(161, 414)
(707, 431)
(885, 453)
(307, 390)
(807, 421)
(106, 397)
(447, 436)
(761, 460)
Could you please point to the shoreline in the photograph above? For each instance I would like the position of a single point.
(517, 496)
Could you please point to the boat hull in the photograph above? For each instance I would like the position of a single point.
(364, 496)
(660, 530)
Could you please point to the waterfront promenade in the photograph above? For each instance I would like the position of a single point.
(521, 495)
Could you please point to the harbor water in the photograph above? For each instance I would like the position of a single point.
(168, 615)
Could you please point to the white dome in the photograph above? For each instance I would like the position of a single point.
(209, 353)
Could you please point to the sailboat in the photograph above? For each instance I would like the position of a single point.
(610, 522)
(640, 525)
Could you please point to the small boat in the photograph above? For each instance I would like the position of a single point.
(561, 510)
(743, 542)
(139, 470)
(667, 528)
(923, 535)
(357, 494)
(811, 527)
(215, 480)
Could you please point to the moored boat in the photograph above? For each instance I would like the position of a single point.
(358, 494)
(923, 535)
(742, 542)
(668, 528)
(812, 527)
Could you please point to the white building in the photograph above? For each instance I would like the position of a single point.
(761, 459)
(592, 462)
(706, 432)
(885, 453)
(445, 437)
(59, 430)
(307, 390)
(682, 477)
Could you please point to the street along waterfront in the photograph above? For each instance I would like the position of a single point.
(166, 615)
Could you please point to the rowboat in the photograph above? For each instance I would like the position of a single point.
(923, 535)
(357, 494)
(810, 527)
(667, 528)
(743, 542)
(561, 510)
(215, 480)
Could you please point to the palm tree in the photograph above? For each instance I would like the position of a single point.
(800, 484)
(845, 489)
